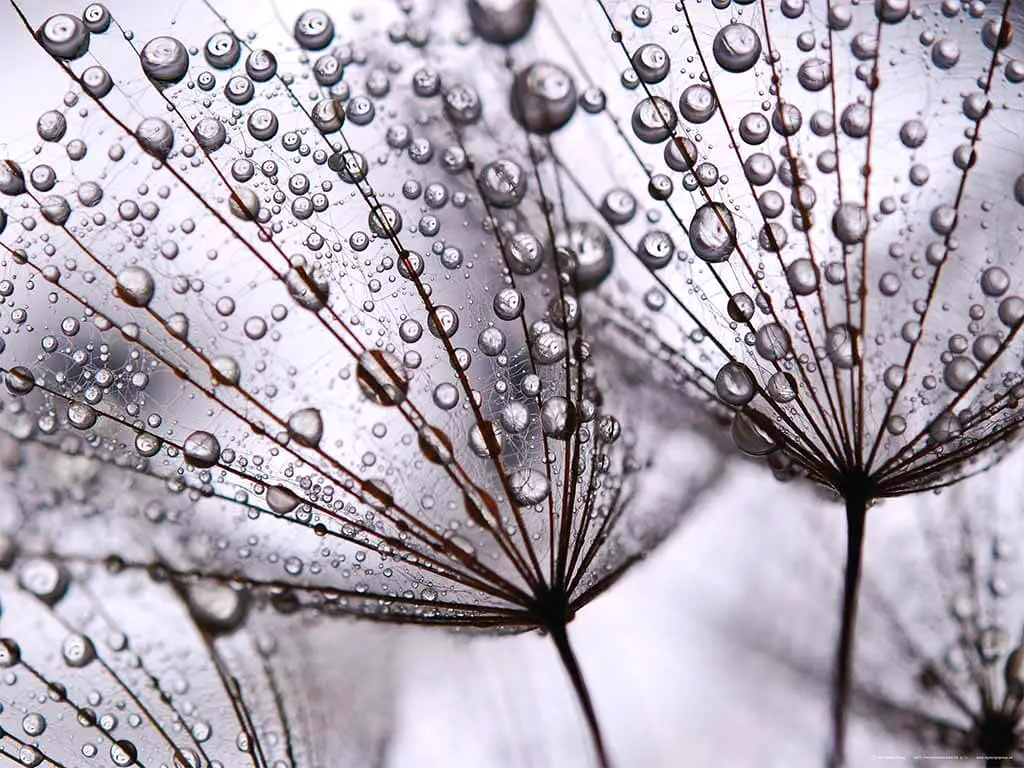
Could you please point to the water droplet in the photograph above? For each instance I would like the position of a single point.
(501, 21)
(558, 417)
(945, 53)
(156, 137)
(81, 415)
(123, 753)
(892, 11)
(78, 650)
(309, 290)
(164, 60)
(19, 380)
(96, 18)
(814, 74)
(503, 183)
(45, 580)
(260, 65)
(802, 276)
(752, 434)
(995, 281)
(64, 36)
(850, 223)
(543, 97)
(202, 450)
(959, 373)
(222, 50)
(652, 63)
(382, 378)
(135, 286)
(147, 444)
(697, 104)
(772, 341)
(210, 134)
(435, 445)
(736, 47)
(97, 82)
(306, 427)
(314, 30)
(528, 487)
(462, 104)
(713, 233)
(594, 254)
(10, 653)
(841, 347)
(51, 126)
(656, 249)
(654, 119)
(734, 384)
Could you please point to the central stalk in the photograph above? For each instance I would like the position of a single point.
(857, 494)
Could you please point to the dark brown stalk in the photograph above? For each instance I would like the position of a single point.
(572, 667)
(856, 514)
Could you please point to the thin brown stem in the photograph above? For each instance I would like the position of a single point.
(856, 514)
(572, 667)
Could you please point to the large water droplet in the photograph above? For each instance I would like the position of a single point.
(713, 233)
(841, 346)
(543, 97)
(314, 30)
(501, 21)
(135, 286)
(202, 450)
(156, 137)
(164, 60)
(528, 487)
(503, 183)
(697, 104)
(736, 47)
(64, 36)
(382, 377)
(735, 384)
(652, 63)
(850, 223)
(306, 427)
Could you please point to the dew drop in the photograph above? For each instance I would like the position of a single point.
(382, 378)
(802, 276)
(501, 21)
(654, 119)
(78, 650)
(752, 434)
(306, 427)
(697, 104)
(45, 580)
(713, 233)
(656, 249)
(651, 63)
(850, 223)
(202, 450)
(503, 183)
(736, 47)
(528, 487)
(314, 30)
(959, 373)
(156, 137)
(222, 50)
(164, 60)
(64, 36)
(135, 286)
(841, 347)
(543, 98)
(735, 384)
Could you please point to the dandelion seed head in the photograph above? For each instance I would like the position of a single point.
(319, 299)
